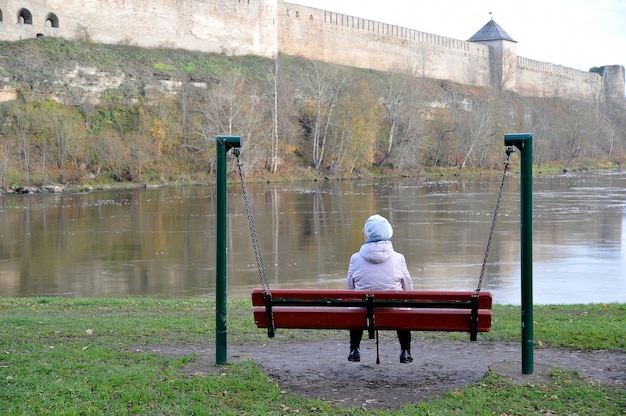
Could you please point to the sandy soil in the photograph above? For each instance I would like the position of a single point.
(320, 369)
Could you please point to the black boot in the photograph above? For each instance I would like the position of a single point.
(355, 355)
(405, 356)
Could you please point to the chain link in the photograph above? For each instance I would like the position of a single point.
(265, 286)
(493, 221)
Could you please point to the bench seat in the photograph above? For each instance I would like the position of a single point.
(391, 310)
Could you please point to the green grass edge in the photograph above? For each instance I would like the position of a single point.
(78, 356)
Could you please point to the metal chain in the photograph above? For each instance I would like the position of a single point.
(509, 150)
(265, 286)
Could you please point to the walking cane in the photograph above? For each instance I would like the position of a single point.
(377, 349)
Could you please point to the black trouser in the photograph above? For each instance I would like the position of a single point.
(357, 334)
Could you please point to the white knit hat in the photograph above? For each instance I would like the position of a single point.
(377, 228)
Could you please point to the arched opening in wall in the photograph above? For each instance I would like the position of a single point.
(52, 20)
(24, 17)
(0, 16)
(40, 35)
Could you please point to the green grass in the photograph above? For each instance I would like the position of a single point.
(77, 357)
(566, 395)
(585, 327)
(65, 54)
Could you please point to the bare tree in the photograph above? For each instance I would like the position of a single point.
(6, 151)
(480, 124)
(357, 125)
(20, 130)
(322, 87)
(274, 146)
(395, 91)
(234, 106)
(440, 127)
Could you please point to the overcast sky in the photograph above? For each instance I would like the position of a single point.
(576, 33)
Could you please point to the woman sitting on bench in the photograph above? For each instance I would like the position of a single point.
(377, 266)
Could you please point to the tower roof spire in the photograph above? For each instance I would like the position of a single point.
(491, 31)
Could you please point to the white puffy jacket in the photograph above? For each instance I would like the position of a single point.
(377, 266)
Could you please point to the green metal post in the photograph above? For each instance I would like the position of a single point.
(223, 144)
(524, 142)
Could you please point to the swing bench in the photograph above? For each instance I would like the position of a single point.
(373, 310)
(452, 311)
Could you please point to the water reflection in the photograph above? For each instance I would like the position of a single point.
(161, 242)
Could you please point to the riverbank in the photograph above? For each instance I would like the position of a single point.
(429, 174)
(149, 356)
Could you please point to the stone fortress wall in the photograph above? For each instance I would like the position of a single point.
(349, 40)
(352, 41)
(266, 27)
(233, 27)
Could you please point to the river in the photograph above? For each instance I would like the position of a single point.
(161, 242)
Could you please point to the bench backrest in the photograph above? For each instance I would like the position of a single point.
(484, 301)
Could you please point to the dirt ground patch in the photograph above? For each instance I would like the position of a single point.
(320, 369)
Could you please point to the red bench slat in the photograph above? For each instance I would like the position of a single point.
(322, 317)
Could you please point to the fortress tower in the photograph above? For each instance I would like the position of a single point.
(614, 81)
(502, 54)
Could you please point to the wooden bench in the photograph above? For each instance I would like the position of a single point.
(385, 310)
